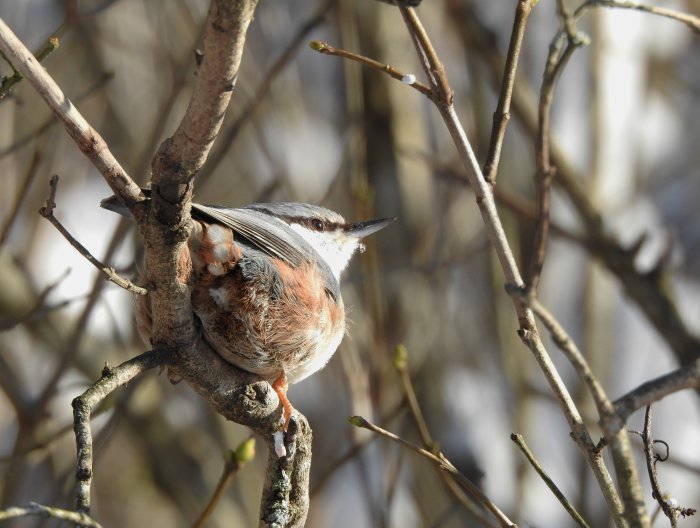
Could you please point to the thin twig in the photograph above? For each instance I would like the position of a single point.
(354, 450)
(111, 274)
(671, 510)
(233, 461)
(441, 462)
(39, 510)
(21, 195)
(520, 442)
(432, 65)
(691, 21)
(8, 82)
(494, 228)
(112, 378)
(401, 364)
(556, 61)
(8, 323)
(409, 79)
(502, 114)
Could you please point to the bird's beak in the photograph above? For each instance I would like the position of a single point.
(363, 229)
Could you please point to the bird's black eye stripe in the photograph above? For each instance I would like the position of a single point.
(317, 225)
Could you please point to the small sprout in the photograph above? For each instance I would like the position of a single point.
(409, 79)
(400, 357)
(317, 45)
(357, 421)
(246, 451)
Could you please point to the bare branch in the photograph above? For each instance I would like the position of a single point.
(87, 138)
(8, 82)
(233, 461)
(409, 79)
(112, 378)
(441, 462)
(687, 377)
(575, 515)
(112, 275)
(502, 114)
(691, 21)
(671, 510)
(39, 510)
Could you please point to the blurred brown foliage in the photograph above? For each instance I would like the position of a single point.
(311, 128)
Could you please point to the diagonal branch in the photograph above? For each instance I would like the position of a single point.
(86, 137)
(111, 274)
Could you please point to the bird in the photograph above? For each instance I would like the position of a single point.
(266, 285)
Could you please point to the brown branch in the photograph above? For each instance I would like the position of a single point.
(229, 135)
(432, 65)
(648, 290)
(409, 79)
(670, 509)
(687, 377)
(494, 228)
(575, 515)
(442, 463)
(401, 364)
(233, 461)
(87, 139)
(502, 114)
(112, 378)
(285, 499)
(691, 21)
(48, 512)
(110, 273)
(556, 61)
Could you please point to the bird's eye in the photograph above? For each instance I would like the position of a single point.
(317, 224)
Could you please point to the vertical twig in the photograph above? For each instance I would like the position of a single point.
(556, 61)
(502, 114)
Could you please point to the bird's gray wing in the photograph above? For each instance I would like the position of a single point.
(266, 233)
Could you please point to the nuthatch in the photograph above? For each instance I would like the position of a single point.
(266, 285)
